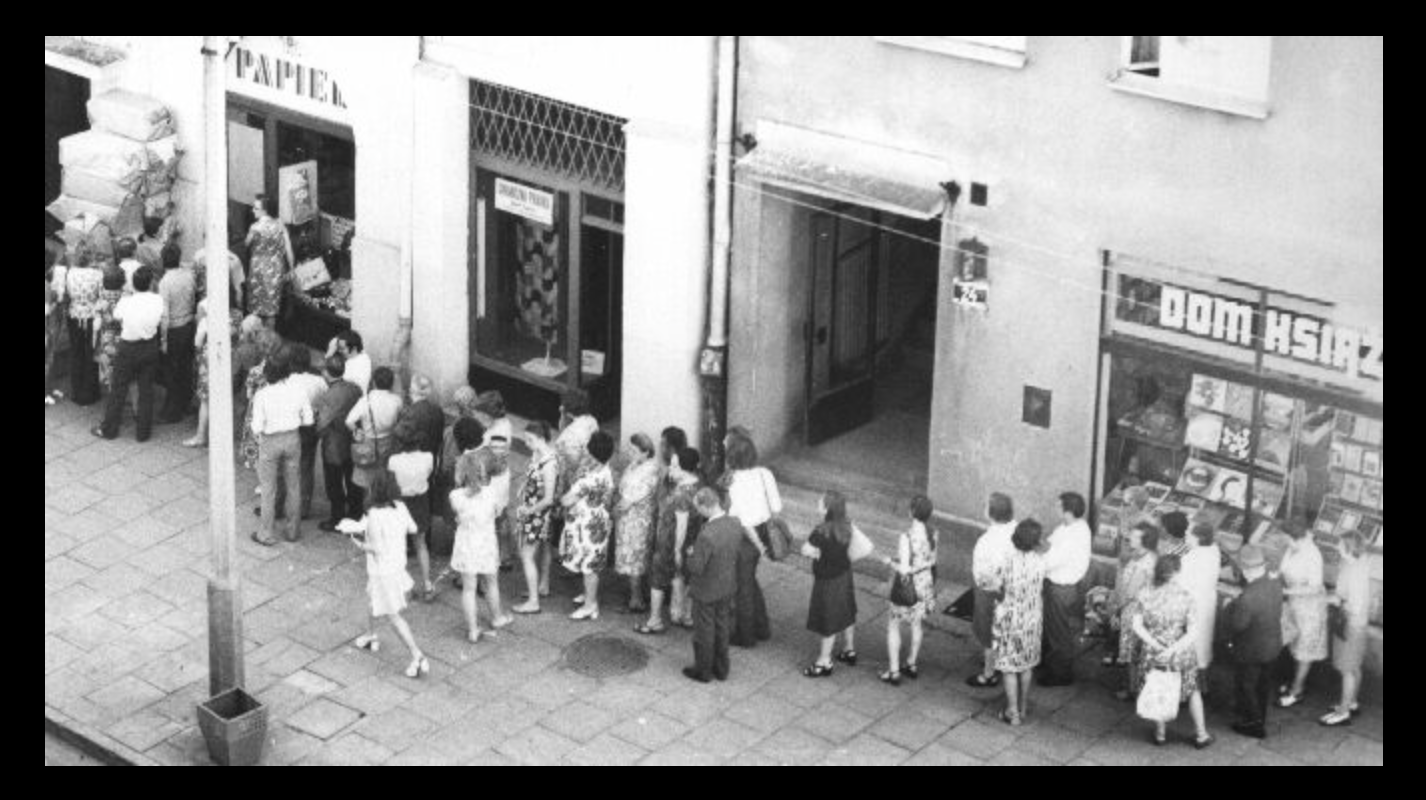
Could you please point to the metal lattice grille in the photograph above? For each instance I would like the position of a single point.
(581, 144)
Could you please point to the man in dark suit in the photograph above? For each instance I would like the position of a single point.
(1254, 631)
(343, 495)
(712, 569)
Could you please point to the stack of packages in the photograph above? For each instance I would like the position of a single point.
(118, 172)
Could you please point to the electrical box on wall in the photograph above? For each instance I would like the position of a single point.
(1036, 409)
(971, 285)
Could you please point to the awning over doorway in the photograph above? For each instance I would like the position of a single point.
(848, 170)
(80, 56)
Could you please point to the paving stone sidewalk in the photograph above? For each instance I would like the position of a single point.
(126, 659)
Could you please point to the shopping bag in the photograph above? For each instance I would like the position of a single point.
(860, 546)
(1158, 702)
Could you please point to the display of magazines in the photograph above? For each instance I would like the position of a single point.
(1220, 434)
(1355, 499)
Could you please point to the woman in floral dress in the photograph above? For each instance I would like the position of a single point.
(107, 327)
(1019, 618)
(200, 367)
(1304, 627)
(271, 260)
(268, 343)
(534, 513)
(916, 557)
(83, 284)
(634, 518)
(1140, 545)
(675, 530)
(587, 526)
(1165, 625)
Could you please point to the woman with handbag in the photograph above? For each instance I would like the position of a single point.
(753, 500)
(913, 591)
(1166, 626)
(1350, 614)
(1019, 617)
(371, 422)
(833, 608)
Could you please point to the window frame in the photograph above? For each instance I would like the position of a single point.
(965, 47)
(1129, 78)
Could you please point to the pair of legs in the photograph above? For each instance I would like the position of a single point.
(307, 481)
(200, 434)
(535, 559)
(136, 362)
(636, 594)
(1299, 679)
(750, 624)
(849, 642)
(893, 644)
(419, 665)
(469, 581)
(1253, 685)
(675, 594)
(589, 601)
(1342, 713)
(712, 626)
(1017, 694)
(1195, 709)
(423, 557)
(178, 371)
(343, 495)
(279, 458)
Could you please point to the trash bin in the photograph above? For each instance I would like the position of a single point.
(234, 724)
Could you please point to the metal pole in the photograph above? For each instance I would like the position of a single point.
(225, 607)
(713, 361)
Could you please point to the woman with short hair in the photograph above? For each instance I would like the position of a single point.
(753, 499)
(915, 561)
(1304, 609)
(271, 260)
(475, 553)
(375, 416)
(674, 533)
(1199, 575)
(1135, 575)
(534, 513)
(82, 284)
(1019, 617)
(587, 525)
(634, 518)
(1164, 624)
(1353, 595)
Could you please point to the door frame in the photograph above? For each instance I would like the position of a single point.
(821, 339)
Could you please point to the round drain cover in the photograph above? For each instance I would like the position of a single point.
(605, 656)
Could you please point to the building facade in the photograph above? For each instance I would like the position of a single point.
(1161, 262)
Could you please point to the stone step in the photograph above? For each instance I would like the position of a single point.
(870, 492)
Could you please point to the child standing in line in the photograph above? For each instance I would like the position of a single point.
(386, 525)
(476, 553)
(413, 467)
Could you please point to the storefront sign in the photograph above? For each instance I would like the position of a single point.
(1301, 337)
(282, 79)
(521, 200)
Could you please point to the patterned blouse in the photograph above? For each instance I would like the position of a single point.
(82, 286)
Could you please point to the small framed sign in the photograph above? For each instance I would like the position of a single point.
(971, 294)
(1037, 407)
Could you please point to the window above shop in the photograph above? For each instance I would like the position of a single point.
(1005, 51)
(1222, 73)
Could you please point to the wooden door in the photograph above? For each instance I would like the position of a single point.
(841, 340)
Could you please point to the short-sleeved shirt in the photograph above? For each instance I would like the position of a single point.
(140, 316)
(180, 296)
(413, 471)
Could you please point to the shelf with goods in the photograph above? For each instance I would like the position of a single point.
(1355, 499)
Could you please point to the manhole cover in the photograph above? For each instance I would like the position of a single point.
(605, 656)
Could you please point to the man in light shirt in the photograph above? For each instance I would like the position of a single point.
(1066, 564)
(312, 386)
(279, 410)
(125, 251)
(990, 552)
(142, 319)
(349, 344)
(180, 301)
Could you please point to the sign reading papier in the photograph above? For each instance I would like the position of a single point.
(260, 68)
(524, 201)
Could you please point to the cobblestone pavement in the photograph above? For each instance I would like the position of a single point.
(126, 659)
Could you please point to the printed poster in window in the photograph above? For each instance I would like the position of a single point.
(297, 193)
(1237, 440)
(1239, 403)
(1209, 393)
(1205, 430)
(1371, 494)
(1278, 410)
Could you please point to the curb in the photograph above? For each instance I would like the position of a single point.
(93, 744)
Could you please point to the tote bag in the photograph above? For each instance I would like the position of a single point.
(1158, 702)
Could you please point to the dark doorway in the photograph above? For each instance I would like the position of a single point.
(65, 115)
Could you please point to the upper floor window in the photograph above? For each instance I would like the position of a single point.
(1006, 51)
(1224, 73)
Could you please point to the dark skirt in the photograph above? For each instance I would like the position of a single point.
(983, 617)
(834, 605)
(419, 507)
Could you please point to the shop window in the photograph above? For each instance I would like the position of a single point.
(1224, 73)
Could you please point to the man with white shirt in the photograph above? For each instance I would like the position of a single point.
(142, 319)
(279, 410)
(1066, 564)
(990, 552)
(312, 386)
(349, 344)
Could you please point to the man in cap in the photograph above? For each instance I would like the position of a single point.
(1254, 632)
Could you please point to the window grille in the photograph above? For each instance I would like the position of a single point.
(578, 143)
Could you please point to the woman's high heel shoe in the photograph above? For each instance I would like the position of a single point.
(585, 613)
(367, 641)
(418, 667)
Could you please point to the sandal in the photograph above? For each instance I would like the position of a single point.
(979, 681)
(428, 594)
(525, 608)
(684, 623)
(911, 671)
(1010, 718)
(1204, 742)
(1159, 739)
(49, 400)
(848, 657)
(263, 540)
(1289, 700)
(1335, 718)
(818, 671)
(890, 676)
(419, 667)
(649, 630)
(367, 641)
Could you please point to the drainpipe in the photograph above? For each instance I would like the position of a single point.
(225, 603)
(401, 344)
(712, 363)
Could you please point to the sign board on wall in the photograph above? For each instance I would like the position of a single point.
(267, 72)
(524, 201)
(297, 193)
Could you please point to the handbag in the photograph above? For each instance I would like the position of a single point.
(779, 536)
(860, 546)
(1158, 702)
(903, 591)
(366, 451)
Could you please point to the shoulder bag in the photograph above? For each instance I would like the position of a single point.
(779, 536)
(366, 451)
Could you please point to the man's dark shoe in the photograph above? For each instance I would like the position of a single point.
(328, 525)
(1252, 731)
(692, 674)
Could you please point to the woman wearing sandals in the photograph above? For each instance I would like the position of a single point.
(386, 525)
(1166, 625)
(833, 608)
(587, 528)
(634, 518)
(1019, 617)
(534, 514)
(1305, 609)
(476, 554)
(676, 529)
(1349, 644)
(916, 558)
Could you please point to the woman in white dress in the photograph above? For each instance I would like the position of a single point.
(1199, 575)
(1304, 610)
(1349, 645)
(386, 525)
(476, 553)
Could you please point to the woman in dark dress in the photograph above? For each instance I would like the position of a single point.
(833, 608)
